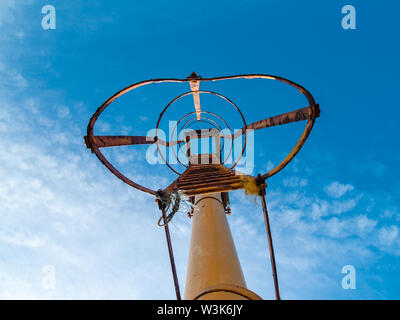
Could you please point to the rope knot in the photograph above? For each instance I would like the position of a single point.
(261, 184)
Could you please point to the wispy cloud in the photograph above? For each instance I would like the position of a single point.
(295, 182)
(337, 190)
(59, 206)
(387, 235)
(7, 11)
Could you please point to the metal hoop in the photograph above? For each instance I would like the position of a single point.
(209, 92)
(187, 124)
(192, 113)
(96, 150)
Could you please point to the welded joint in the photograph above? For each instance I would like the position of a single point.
(88, 144)
(261, 184)
(161, 199)
(193, 76)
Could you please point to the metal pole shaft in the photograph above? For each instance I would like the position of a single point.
(171, 256)
(213, 260)
(271, 247)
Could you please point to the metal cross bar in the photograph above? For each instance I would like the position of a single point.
(195, 87)
(117, 141)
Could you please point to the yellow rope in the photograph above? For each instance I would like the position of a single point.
(250, 185)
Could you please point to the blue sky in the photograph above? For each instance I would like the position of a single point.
(336, 204)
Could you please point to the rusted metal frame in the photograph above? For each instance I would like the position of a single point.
(195, 87)
(198, 179)
(308, 113)
(208, 92)
(117, 141)
(213, 133)
(314, 113)
(203, 119)
(93, 119)
(210, 190)
(298, 146)
(207, 112)
(206, 176)
(270, 245)
(186, 182)
(288, 117)
(206, 169)
(118, 174)
(196, 137)
(214, 185)
(214, 175)
(95, 149)
(211, 183)
(220, 188)
(208, 173)
(199, 166)
(188, 123)
(194, 173)
(199, 176)
(292, 116)
(171, 255)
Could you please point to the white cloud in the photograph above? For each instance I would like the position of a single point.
(12, 78)
(387, 235)
(337, 190)
(7, 8)
(336, 228)
(341, 206)
(60, 206)
(295, 182)
(364, 224)
(320, 209)
(63, 112)
(22, 240)
(269, 166)
(102, 126)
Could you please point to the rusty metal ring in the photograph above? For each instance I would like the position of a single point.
(207, 112)
(187, 124)
(208, 92)
(223, 143)
(204, 119)
(96, 150)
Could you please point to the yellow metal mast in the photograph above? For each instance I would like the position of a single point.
(214, 271)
